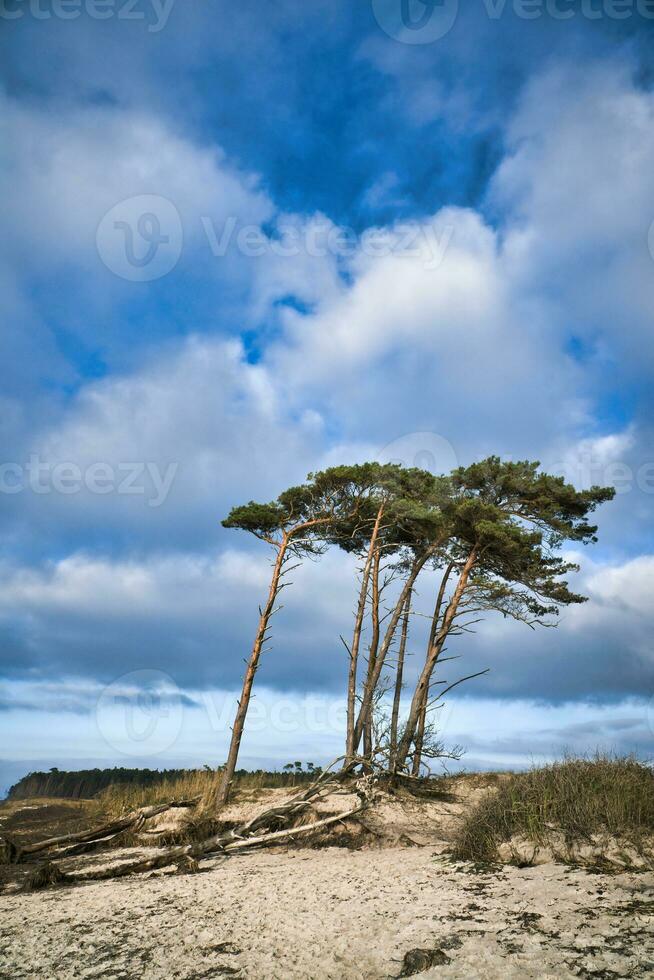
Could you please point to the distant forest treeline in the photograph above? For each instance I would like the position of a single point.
(87, 783)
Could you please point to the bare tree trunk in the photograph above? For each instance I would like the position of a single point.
(372, 652)
(366, 703)
(397, 694)
(420, 736)
(227, 775)
(422, 717)
(422, 688)
(350, 747)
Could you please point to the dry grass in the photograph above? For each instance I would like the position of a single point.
(122, 798)
(578, 797)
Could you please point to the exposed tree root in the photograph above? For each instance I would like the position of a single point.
(10, 852)
(45, 875)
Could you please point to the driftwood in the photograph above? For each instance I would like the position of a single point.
(12, 853)
(295, 831)
(255, 832)
(83, 841)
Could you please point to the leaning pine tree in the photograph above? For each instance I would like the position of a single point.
(290, 525)
(507, 522)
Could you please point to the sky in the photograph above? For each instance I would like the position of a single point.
(246, 241)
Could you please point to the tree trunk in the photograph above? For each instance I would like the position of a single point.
(227, 775)
(372, 652)
(422, 688)
(420, 736)
(422, 717)
(366, 703)
(350, 747)
(397, 694)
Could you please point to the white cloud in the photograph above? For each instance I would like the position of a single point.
(411, 344)
(601, 648)
(62, 171)
(623, 590)
(201, 413)
(595, 461)
(190, 615)
(103, 616)
(406, 295)
(179, 586)
(63, 178)
(576, 190)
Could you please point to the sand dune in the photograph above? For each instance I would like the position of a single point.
(335, 912)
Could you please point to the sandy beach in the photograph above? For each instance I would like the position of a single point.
(335, 913)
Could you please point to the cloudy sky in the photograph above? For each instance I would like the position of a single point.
(246, 240)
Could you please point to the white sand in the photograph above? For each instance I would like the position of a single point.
(336, 914)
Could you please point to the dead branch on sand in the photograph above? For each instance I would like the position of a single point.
(271, 826)
(12, 853)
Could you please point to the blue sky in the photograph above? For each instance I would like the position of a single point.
(246, 241)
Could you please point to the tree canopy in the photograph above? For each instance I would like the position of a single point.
(492, 531)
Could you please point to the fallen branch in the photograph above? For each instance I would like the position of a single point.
(300, 801)
(12, 853)
(186, 855)
(294, 831)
